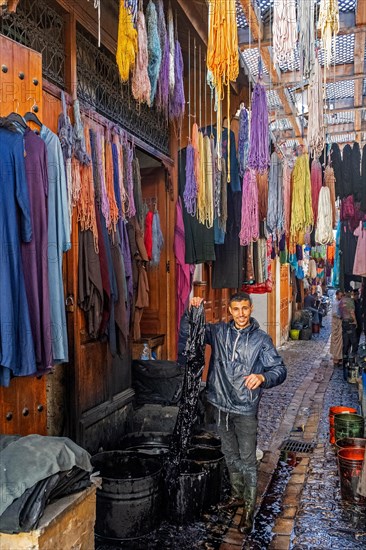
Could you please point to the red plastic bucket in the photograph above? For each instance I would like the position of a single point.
(350, 462)
(332, 412)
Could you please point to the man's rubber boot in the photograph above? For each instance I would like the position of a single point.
(247, 519)
(237, 491)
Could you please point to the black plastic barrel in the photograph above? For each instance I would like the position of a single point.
(350, 461)
(185, 499)
(147, 443)
(348, 425)
(213, 462)
(129, 501)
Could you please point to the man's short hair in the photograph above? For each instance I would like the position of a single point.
(338, 292)
(240, 297)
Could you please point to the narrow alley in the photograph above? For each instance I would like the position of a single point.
(299, 504)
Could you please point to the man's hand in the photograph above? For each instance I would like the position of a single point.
(253, 381)
(196, 301)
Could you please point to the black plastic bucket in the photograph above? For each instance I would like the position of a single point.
(185, 501)
(155, 444)
(213, 462)
(206, 439)
(348, 425)
(350, 461)
(128, 504)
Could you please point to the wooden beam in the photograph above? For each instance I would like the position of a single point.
(199, 23)
(339, 72)
(361, 13)
(253, 18)
(347, 26)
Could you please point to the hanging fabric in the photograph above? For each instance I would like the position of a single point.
(336, 162)
(258, 158)
(324, 226)
(328, 23)
(284, 31)
(356, 172)
(306, 25)
(315, 135)
(113, 208)
(140, 85)
(249, 210)
(86, 203)
(316, 184)
(347, 170)
(153, 48)
(363, 180)
(359, 265)
(157, 240)
(80, 151)
(126, 42)
(65, 134)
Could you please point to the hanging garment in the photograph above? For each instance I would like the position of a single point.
(148, 235)
(17, 355)
(90, 285)
(359, 265)
(58, 242)
(363, 180)
(157, 240)
(347, 170)
(140, 279)
(34, 259)
(199, 239)
(336, 162)
(183, 271)
(348, 245)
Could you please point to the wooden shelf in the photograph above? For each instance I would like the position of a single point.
(154, 341)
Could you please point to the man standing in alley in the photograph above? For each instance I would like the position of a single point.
(243, 362)
(349, 324)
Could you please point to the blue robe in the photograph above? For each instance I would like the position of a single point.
(58, 242)
(17, 355)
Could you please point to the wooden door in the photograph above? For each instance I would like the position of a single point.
(272, 307)
(23, 407)
(155, 318)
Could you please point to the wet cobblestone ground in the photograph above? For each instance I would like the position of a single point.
(323, 521)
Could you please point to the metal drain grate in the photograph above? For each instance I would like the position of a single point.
(297, 446)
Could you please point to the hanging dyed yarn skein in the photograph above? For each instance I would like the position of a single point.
(315, 135)
(126, 42)
(141, 87)
(324, 226)
(284, 31)
(153, 48)
(258, 158)
(329, 180)
(306, 24)
(249, 210)
(316, 184)
(222, 58)
(302, 217)
(328, 24)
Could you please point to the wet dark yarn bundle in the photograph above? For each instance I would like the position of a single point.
(336, 162)
(195, 354)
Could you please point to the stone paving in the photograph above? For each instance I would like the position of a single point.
(309, 512)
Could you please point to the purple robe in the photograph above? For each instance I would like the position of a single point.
(34, 254)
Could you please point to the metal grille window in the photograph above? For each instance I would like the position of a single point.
(99, 87)
(39, 27)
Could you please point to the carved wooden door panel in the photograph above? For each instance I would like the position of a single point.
(23, 407)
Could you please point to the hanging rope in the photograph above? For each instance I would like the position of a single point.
(306, 24)
(141, 87)
(324, 226)
(329, 180)
(222, 53)
(258, 158)
(302, 217)
(249, 210)
(328, 23)
(316, 184)
(126, 42)
(315, 136)
(284, 31)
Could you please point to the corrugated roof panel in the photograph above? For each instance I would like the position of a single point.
(241, 21)
(342, 138)
(344, 117)
(251, 57)
(281, 124)
(273, 99)
(340, 90)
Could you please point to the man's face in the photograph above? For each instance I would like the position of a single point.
(241, 312)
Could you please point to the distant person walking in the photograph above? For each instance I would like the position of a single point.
(347, 309)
